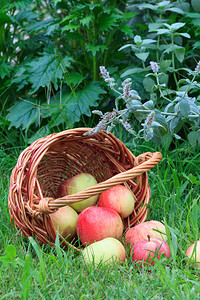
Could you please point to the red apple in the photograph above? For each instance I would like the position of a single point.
(96, 223)
(77, 184)
(108, 251)
(154, 229)
(119, 198)
(193, 252)
(146, 250)
(64, 220)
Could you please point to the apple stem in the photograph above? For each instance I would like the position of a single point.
(148, 236)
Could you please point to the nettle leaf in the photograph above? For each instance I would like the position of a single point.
(46, 69)
(108, 21)
(74, 78)
(38, 26)
(43, 131)
(23, 113)
(94, 49)
(126, 29)
(5, 69)
(73, 106)
(86, 21)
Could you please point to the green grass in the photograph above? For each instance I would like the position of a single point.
(32, 271)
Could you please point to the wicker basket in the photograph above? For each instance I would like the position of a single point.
(46, 162)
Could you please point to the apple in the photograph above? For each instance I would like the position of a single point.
(119, 198)
(64, 221)
(154, 229)
(193, 252)
(108, 250)
(145, 250)
(96, 223)
(77, 184)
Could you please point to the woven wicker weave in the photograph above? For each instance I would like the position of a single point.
(46, 162)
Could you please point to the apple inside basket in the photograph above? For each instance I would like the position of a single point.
(41, 168)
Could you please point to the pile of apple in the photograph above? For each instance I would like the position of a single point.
(98, 224)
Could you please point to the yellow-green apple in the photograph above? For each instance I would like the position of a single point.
(146, 250)
(77, 184)
(193, 252)
(119, 198)
(64, 220)
(154, 229)
(96, 223)
(108, 250)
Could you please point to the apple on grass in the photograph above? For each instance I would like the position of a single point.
(145, 251)
(154, 229)
(119, 198)
(96, 223)
(193, 252)
(108, 251)
(77, 184)
(64, 221)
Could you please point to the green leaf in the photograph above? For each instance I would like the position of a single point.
(73, 106)
(45, 69)
(176, 9)
(126, 29)
(5, 69)
(148, 84)
(184, 34)
(180, 54)
(86, 21)
(177, 25)
(94, 49)
(43, 131)
(143, 56)
(10, 252)
(74, 78)
(192, 138)
(108, 21)
(184, 108)
(162, 31)
(23, 113)
(137, 40)
(38, 26)
(154, 26)
(70, 27)
(132, 71)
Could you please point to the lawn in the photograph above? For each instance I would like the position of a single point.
(29, 270)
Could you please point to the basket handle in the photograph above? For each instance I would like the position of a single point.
(146, 162)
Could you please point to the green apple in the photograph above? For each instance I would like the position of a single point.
(77, 184)
(64, 221)
(108, 251)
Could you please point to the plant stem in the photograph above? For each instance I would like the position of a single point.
(173, 63)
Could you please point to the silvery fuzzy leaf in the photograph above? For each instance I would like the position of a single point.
(184, 107)
(97, 112)
(173, 124)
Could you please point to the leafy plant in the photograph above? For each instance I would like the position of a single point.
(51, 52)
(172, 108)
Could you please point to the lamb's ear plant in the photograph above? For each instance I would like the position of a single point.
(156, 120)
